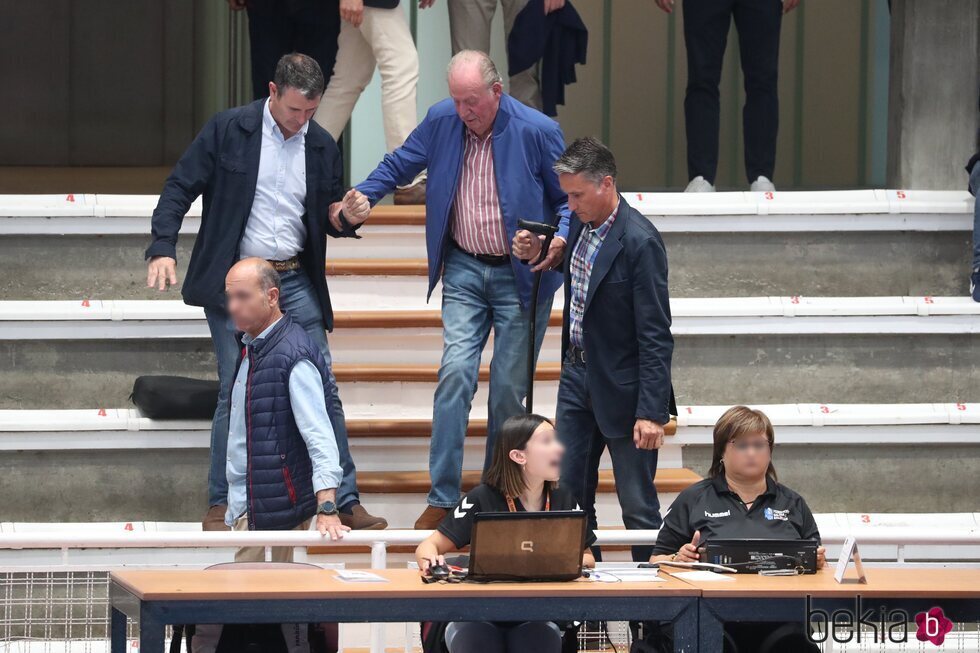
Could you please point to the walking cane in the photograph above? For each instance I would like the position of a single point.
(548, 231)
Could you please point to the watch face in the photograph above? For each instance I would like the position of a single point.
(327, 508)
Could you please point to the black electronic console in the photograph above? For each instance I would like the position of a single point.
(753, 556)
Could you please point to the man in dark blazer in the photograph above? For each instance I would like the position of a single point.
(269, 175)
(615, 389)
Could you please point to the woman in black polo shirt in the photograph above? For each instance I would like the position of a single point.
(741, 498)
(523, 476)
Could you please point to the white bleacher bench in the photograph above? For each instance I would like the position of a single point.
(795, 424)
(780, 211)
(96, 319)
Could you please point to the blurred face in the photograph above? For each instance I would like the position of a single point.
(250, 307)
(541, 457)
(476, 104)
(748, 455)
(591, 202)
(292, 109)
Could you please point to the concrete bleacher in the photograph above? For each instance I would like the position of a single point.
(853, 302)
(833, 243)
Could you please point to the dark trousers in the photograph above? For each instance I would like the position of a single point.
(706, 26)
(584, 442)
(278, 27)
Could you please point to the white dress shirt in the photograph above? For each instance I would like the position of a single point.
(275, 229)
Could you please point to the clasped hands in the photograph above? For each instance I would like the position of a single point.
(355, 206)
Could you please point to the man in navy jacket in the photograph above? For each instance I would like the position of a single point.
(490, 164)
(268, 175)
(615, 389)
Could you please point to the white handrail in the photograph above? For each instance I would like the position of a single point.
(373, 539)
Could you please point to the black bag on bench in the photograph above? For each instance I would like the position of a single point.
(175, 397)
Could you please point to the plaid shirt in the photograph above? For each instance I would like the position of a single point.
(583, 258)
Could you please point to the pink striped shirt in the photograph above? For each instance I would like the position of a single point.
(477, 225)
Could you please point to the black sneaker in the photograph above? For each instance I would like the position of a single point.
(975, 284)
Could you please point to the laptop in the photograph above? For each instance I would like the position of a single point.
(527, 546)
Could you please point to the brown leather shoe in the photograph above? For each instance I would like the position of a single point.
(361, 520)
(214, 520)
(411, 195)
(430, 518)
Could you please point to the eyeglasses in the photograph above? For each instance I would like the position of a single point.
(742, 447)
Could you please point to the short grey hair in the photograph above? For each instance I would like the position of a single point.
(589, 157)
(300, 72)
(488, 70)
(268, 277)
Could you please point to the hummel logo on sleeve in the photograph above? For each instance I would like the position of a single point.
(463, 507)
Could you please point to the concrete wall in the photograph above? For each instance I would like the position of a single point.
(933, 117)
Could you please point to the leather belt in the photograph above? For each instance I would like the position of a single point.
(489, 259)
(286, 266)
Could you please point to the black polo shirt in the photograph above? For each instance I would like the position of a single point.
(458, 524)
(711, 507)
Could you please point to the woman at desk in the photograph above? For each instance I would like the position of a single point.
(741, 498)
(523, 476)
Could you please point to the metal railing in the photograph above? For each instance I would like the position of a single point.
(378, 542)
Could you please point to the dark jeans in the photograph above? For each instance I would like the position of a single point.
(633, 468)
(706, 25)
(278, 27)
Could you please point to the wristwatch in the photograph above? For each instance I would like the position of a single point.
(328, 508)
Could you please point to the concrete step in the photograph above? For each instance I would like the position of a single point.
(845, 243)
(764, 350)
(171, 485)
(701, 264)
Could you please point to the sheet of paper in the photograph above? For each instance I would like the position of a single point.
(356, 576)
(628, 575)
(702, 576)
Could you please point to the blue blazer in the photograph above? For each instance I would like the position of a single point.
(626, 326)
(222, 164)
(526, 144)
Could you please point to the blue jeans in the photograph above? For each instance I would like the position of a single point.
(975, 189)
(298, 299)
(633, 468)
(476, 298)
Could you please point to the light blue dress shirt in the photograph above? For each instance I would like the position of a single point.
(309, 411)
(275, 229)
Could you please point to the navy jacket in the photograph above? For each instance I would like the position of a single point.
(279, 476)
(626, 326)
(222, 164)
(526, 145)
(558, 40)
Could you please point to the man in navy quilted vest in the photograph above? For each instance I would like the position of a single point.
(283, 465)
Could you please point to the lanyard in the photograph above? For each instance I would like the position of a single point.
(513, 508)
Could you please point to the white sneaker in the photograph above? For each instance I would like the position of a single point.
(762, 185)
(699, 185)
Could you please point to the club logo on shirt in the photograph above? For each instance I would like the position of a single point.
(716, 515)
(776, 515)
(463, 508)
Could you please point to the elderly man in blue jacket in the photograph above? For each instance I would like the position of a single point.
(490, 164)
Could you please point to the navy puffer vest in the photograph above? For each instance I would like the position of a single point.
(279, 476)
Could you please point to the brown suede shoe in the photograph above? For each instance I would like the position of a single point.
(214, 520)
(411, 195)
(431, 518)
(361, 520)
